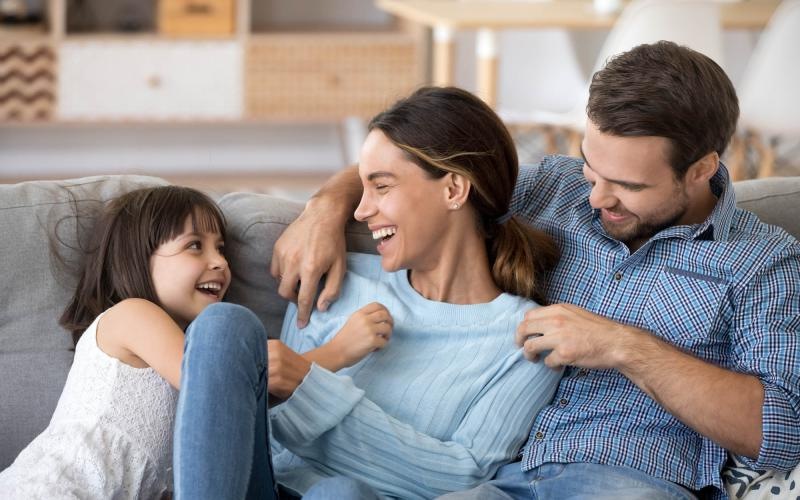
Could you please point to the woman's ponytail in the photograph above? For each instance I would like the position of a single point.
(520, 256)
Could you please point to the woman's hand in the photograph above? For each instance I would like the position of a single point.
(367, 330)
(286, 369)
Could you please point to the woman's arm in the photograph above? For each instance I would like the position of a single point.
(141, 334)
(329, 420)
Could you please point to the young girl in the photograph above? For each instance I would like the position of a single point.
(409, 385)
(157, 263)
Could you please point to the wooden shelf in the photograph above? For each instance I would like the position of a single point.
(250, 75)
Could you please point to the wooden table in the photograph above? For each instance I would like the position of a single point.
(489, 16)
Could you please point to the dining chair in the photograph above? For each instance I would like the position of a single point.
(769, 99)
(694, 23)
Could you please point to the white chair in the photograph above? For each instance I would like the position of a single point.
(694, 23)
(769, 98)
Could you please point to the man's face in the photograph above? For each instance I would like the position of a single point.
(633, 185)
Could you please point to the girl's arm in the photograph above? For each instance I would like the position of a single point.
(367, 330)
(141, 334)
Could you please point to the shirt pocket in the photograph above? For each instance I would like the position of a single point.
(684, 305)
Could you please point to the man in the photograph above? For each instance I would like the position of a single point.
(676, 314)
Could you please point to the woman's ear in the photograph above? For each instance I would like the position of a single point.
(456, 190)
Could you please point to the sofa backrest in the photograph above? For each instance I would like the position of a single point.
(35, 353)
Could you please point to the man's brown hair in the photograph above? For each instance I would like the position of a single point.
(666, 90)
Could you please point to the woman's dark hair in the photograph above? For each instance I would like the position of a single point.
(448, 130)
(127, 233)
(666, 90)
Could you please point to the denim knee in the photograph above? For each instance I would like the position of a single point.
(225, 323)
(340, 488)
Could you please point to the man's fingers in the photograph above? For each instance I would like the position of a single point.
(275, 266)
(554, 361)
(525, 330)
(287, 286)
(333, 285)
(536, 344)
(305, 298)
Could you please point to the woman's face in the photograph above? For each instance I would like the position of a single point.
(405, 209)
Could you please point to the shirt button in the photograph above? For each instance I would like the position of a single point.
(539, 435)
(617, 276)
(563, 402)
(582, 372)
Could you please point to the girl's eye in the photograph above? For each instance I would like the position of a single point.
(195, 245)
(381, 187)
(221, 249)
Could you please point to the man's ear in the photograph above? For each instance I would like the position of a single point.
(701, 171)
(456, 190)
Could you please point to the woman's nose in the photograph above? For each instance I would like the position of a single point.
(364, 210)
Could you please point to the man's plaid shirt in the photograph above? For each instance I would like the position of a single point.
(726, 290)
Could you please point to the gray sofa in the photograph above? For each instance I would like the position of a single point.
(35, 353)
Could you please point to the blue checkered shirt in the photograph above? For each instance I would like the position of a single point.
(726, 290)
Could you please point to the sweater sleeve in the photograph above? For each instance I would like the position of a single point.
(328, 420)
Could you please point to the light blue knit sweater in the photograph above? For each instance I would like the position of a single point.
(447, 402)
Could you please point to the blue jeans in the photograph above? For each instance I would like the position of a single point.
(221, 426)
(578, 481)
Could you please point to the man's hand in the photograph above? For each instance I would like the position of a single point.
(574, 336)
(367, 330)
(309, 248)
(286, 369)
(314, 245)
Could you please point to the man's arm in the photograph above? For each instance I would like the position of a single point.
(694, 391)
(314, 245)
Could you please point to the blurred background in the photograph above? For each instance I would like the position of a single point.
(273, 95)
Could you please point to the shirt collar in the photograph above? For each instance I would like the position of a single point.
(718, 223)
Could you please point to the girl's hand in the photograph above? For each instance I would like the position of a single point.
(367, 330)
(286, 369)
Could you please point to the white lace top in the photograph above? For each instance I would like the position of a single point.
(110, 435)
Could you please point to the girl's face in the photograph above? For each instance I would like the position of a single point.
(405, 209)
(189, 273)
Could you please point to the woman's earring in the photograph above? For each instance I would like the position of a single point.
(456, 206)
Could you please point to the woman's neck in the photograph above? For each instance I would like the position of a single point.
(461, 274)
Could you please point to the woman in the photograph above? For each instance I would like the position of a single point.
(410, 385)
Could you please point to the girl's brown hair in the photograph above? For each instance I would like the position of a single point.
(127, 233)
(449, 130)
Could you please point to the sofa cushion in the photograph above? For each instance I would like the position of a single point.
(776, 201)
(35, 352)
(255, 221)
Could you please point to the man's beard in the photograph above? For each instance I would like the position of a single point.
(644, 229)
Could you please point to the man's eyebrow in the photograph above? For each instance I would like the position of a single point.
(376, 175)
(626, 184)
